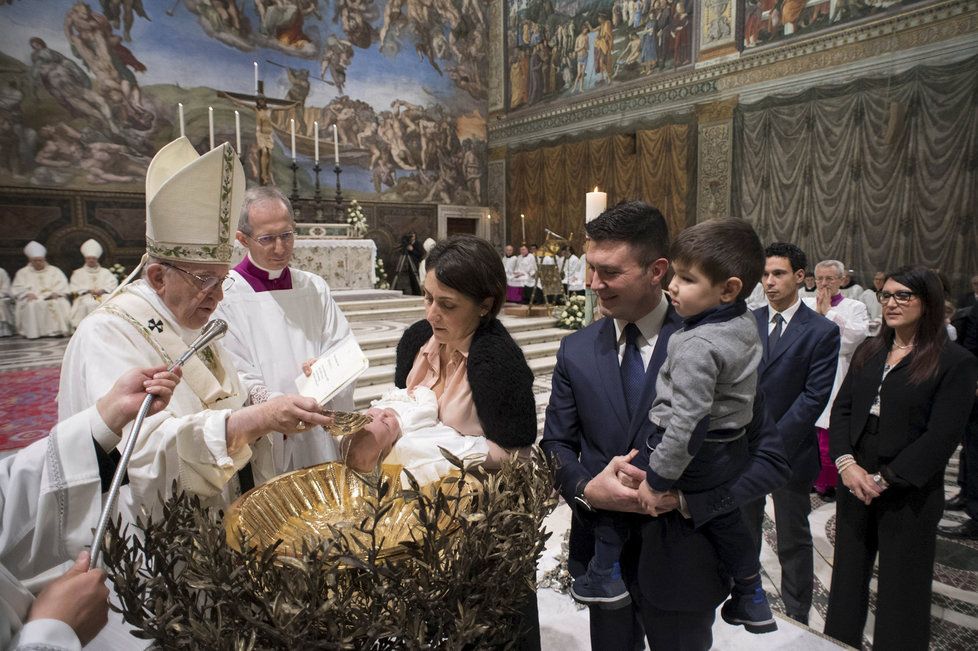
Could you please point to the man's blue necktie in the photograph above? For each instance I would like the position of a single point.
(632, 369)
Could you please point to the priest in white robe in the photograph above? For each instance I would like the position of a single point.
(281, 318)
(41, 292)
(514, 287)
(7, 322)
(208, 440)
(50, 499)
(90, 283)
(574, 272)
(526, 273)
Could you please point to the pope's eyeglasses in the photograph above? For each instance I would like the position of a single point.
(205, 283)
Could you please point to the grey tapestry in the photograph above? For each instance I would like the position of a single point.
(878, 172)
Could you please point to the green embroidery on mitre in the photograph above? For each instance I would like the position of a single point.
(191, 200)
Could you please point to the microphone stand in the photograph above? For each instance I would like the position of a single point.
(214, 330)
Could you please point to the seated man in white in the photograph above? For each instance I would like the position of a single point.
(90, 283)
(40, 290)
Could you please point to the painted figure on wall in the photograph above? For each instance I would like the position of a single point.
(566, 47)
(88, 95)
(768, 21)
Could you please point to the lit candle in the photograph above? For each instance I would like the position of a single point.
(336, 146)
(597, 203)
(523, 224)
(237, 132)
(292, 121)
(256, 76)
(210, 123)
(180, 111)
(315, 131)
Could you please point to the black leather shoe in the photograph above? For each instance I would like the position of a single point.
(955, 503)
(967, 530)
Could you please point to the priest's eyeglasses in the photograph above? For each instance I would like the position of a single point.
(901, 298)
(267, 241)
(205, 283)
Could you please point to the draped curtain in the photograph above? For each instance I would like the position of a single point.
(878, 173)
(548, 184)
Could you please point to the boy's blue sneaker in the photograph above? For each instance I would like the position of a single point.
(751, 610)
(601, 588)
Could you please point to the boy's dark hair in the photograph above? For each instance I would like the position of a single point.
(721, 249)
(634, 222)
(795, 256)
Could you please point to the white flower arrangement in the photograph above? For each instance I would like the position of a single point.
(571, 315)
(381, 274)
(118, 271)
(356, 219)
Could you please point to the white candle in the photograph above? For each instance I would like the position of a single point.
(180, 111)
(237, 132)
(315, 129)
(210, 123)
(292, 121)
(336, 146)
(256, 76)
(595, 204)
(523, 224)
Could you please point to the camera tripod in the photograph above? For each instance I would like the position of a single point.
(406, 260)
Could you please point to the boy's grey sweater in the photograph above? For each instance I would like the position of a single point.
(711, 370)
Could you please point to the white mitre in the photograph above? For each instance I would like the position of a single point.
(35, 250)
(191, 201)
(91, 249)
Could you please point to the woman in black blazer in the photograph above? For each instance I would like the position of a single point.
(899, 415)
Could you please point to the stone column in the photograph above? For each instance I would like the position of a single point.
(496, 195)
(714, 158)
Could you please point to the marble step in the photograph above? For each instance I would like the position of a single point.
(347, 295)
(535, 343)
(380, 305)
(390, 334)
(364, 392)
(407, 312)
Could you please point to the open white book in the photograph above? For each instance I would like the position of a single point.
(332, 372)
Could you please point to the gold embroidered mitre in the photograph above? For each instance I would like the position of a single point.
(190, 202)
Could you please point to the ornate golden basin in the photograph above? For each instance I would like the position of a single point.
(301, 507)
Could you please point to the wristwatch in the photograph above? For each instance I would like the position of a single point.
(581, 500)
(880, 481)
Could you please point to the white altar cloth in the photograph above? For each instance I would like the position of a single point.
(344, 264)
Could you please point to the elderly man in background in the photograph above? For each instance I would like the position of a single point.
(90, 283)
(853, 321)
(873, 307)
(7, 323)
(281, 320)
(40, 290)
(208, 441)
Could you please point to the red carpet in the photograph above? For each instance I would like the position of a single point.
(27, 406)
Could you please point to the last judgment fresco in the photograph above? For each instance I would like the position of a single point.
(90, 90)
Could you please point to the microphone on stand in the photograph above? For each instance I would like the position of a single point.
(212, 331)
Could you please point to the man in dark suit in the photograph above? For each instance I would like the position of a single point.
(801, 350)
(603, 387)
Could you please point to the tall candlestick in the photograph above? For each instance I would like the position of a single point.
(595, 204)
(210, 123)
(315, 129)
(292, 121)
(336, 146)
(523, 224)
(237, 132)
(256, 76)
(180, 111)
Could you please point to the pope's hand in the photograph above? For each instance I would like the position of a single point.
(78, 598)
(606, 491)
(122, 402)
(294, 413)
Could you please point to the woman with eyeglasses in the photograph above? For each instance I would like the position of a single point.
(899, 415)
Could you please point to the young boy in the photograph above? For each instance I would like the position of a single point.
(704, 400)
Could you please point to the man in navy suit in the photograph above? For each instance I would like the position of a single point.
(801, 350)
(598, 417)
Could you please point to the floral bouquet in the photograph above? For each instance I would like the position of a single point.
(571, 315)
(356, 219)
(118, 271)
(381, 274)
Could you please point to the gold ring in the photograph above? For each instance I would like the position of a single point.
(300, 426)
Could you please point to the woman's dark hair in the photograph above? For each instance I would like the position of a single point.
(468, 264)
(931, 333)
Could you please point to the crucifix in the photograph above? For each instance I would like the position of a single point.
(263, 107)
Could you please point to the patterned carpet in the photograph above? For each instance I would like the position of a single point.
(27, 407)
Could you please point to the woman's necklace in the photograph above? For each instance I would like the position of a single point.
(896, 345)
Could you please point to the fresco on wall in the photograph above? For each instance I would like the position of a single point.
(768, 21)
(90, 90)
(560, 48)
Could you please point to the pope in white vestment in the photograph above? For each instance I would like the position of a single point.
(40, 290)
(7, 323)
(280, 318)
(90, 283)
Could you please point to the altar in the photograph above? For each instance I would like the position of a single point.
(343, 264)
